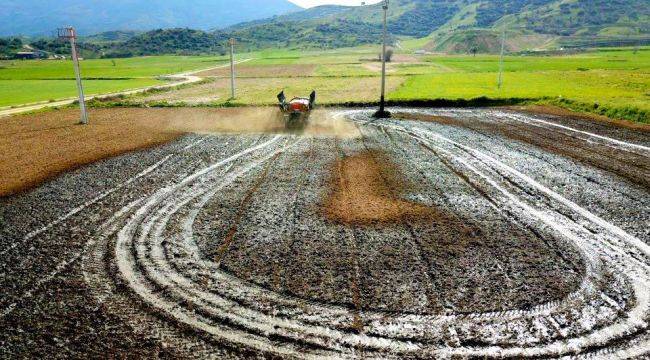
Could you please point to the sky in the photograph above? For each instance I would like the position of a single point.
(312, 3)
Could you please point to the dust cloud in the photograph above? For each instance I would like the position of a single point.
(328, 123)
(322, 123)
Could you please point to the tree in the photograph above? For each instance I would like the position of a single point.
(389, 55)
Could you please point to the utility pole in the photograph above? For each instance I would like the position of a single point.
(503, 49)
(382, 113)
(232, 67)
(70, 34)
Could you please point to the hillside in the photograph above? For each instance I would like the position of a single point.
(111, 36)
(42, 17)
(177, 41)
(532, 23)
(304, 34)
(170, 41)
(318, 12)
(486, 41)
(453, 26)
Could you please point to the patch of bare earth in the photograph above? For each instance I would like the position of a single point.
(404, 58)
(363, 193)
(34, 148)
(263, 91)
(472, 265)
(294, 70)
(376, 67)
(38, 147)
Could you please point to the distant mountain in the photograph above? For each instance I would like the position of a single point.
(317, 12)
(170, 41)
(42, 17)
(456, 26)
(533, 22)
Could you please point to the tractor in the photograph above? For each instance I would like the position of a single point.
(295, 112)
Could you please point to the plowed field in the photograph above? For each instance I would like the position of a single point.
(447, 233)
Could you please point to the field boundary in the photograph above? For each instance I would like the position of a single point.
(627, 113)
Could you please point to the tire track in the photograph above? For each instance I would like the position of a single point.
(146, 267)
(243, 207)
(430, 290)
(352, 240)
(65, 264)
(642, 309)
(621, 145)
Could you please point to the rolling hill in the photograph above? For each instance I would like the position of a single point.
(458, 25)
(455, 26)
(42, 17)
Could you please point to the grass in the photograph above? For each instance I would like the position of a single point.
(603, 87)
(602, 60)
(103, 68)
(23, 82)
(610, 82)
(13, 92)
(613, 81)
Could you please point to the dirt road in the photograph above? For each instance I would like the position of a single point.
(441, 233)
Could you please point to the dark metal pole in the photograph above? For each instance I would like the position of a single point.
(382, 113)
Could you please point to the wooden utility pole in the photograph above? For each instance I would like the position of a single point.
(70, 34)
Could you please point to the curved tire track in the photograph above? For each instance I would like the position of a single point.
(148, 251)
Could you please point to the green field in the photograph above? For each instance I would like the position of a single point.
(623, 59)
(13, 92)
(23, 82)
(105, 68)
(612, 82)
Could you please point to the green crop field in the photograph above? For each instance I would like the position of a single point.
(105, 68)
(23, 82)
(13, 92)
(600, 60)
(612, 82)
